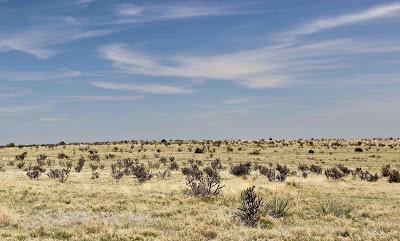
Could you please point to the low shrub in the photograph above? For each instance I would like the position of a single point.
(365, 175)
(34, 172)
(358, 149)
(385, 170)
(141, 173)
(60, 174)
(250, 207)
(216, 164)
(316, 169)
(394, 176)
(202, 183)
(241, 169)
(278, 207)
(334, 173)
(94, 166)
(345, 170)
(117, 170)
(173, 166)
(199, 150)
(81, 163)
(278, 174)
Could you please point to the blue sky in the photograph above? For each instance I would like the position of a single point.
(86, 70)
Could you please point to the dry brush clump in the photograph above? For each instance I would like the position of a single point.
(41, 159)
(21, 160)
(59, 174)
(94, 166)
(385, 170)
(241, 169)
(117, 170)
(365, 175)
(130, 167)
(338, 172)
(34, 172)
(81, 163)
(173, 166)
(62, 156)
(278, 174)
(141, 173)
(204, 182)
(394, 176)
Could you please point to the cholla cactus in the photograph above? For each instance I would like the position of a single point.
(250, 208)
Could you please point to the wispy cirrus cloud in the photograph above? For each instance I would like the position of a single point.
(263, 67)
(144, 88)
(45, 40)
(375, 12)
(42, 41)
(84, 2)
(127, 10)
(130, 13)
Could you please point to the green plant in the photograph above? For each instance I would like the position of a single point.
(250, 207)
(278, 206)
(335, 207)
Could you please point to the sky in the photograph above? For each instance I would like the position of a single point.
(93, 70)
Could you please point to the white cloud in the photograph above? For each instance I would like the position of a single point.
(144, 88)
(131, 13)
(264, 67)
(84, 2)
(376, 12)
(128, 10)
(40, 40)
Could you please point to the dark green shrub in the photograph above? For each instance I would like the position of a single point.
(394, 176)
(250, 207)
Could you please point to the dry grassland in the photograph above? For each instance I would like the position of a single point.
(160, 208)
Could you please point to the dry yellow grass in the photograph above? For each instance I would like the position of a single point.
(161, 209)
(5, 217)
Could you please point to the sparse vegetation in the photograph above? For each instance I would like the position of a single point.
(203, 183)
(138, 193)
(241, 169)
(394, 176)
(250, 207)
(278, 207)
